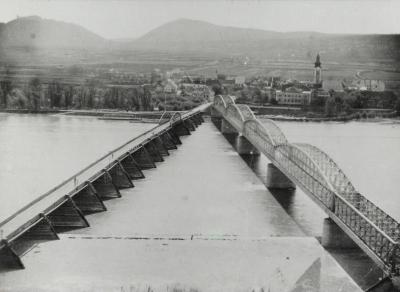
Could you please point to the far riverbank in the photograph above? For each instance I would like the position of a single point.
(331, 119)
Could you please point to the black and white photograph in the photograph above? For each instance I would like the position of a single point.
(199, 145)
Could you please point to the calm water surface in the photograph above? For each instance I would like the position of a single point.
(38, 152)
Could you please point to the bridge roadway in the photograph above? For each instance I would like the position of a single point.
(201, 220)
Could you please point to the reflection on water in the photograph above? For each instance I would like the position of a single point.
(38, 152)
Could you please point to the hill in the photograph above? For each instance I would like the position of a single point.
(36, 32)
(36, 40)
(193, 35)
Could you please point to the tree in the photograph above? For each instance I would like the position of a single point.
(17, 99)
(330, 107)
(217, 89)
(55, 93)
(34, 93)
(257, 95)
(6, 87)
(273, 101)
(397, 106)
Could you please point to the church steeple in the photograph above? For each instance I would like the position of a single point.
(317, 61)
(317, 73)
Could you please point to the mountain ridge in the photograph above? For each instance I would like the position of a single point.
(34, 31)
(201, 37)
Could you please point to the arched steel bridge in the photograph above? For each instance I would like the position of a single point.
(323, 181)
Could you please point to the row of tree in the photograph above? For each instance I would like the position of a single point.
(36, 95)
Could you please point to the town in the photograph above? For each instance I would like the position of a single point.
(78, 87)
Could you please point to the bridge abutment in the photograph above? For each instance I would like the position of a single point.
(276, 179)
(334, 237)
(244, 146)
(227, 128)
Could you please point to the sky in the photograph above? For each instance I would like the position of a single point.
(133, 18)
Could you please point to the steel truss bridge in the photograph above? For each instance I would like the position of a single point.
(323, 181)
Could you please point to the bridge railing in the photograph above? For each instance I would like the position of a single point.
(29, 212)
(320, 177)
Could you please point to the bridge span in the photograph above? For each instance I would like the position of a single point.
(312, 170)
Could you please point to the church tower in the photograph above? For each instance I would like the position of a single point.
(317, 73)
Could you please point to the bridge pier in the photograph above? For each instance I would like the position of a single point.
(174, 137)
(158, 142)
(132, 167)
(42, 230)
(143, 158)
(276, 179)
(120, 177)
(334, 237)
(105, 187)
(168, 141)
(88, 201)
(181, 129)
(387, 284)
(153, 152)
(67, 216)
(244, 146)
(227, 128)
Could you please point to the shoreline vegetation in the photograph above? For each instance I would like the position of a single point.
(155, 116)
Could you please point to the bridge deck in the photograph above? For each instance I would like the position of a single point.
(201, 220)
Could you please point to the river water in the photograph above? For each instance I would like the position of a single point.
(37, 152)
(367, 152)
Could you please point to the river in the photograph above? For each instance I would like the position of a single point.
(38, 152)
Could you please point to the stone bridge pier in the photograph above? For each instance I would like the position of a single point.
(276, 179)
(244, 146)
(216, 117)
(227, 128)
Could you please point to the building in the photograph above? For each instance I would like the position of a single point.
(196, 91)
(293, 96)
(170, 87)
(370, 85)
(240, 80)
(269, 93)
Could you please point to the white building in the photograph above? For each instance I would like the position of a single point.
(170, 87)
(293, 96)
(240, 80)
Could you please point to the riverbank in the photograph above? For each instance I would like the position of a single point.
(103, 114)
(29, 111)
(328, 119)
(298, 114)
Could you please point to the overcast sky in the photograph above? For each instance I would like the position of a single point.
(133, 18)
